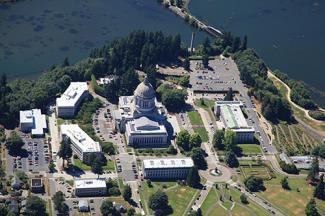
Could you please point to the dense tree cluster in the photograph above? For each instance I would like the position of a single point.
(254, 183)
(313, 171)
(311, 209)
(172, 98)
(35, 206)
(300, 94)
(186, 141)
(193, 178)
(317, 114)
(319, 151)
(159, 203)
(253, 72)
(59, 202)
(14, 143)
(289, 168)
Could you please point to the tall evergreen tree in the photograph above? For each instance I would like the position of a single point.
(319, 191)
(193, 178)
(97, 166)
(229, 95)
(205, 61)
(218, 139)
(313, 171)
(186, 64)
(127, 193)
(311, 209)
(65, 151)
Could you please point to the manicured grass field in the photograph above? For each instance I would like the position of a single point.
(179, 196)
(249, 149)
(195, 118)
(212, 205)
(203, 133)
(109, 166)
(291, 202)
(260, 171)
(206, 103)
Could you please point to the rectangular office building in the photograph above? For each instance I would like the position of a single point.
(90, 187)
(232, 117)
(32, 121)
(166, 168)
(68, 103)
(82, 144)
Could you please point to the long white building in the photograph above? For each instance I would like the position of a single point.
(166, 168)
(82, 144)
(232, 117)
(70, 100)
(90, 187)
(32, 121)
(142, 118)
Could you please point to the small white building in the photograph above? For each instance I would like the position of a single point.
(232, 117)
(82, 144)
(167, 168)
(90, 187)
(32, 121)
(68, 103)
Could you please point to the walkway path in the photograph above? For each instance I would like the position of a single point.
(306, 112)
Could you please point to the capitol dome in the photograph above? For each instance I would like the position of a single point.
(144, 96)
(145, 90)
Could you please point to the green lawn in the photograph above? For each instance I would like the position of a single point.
(109, 166)
(195, 118)
(211, 207)
(179, 196)
(291, 202)
(203, 133)
(204, 103)
(249, 149)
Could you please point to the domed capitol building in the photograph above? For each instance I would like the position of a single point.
(142, 118)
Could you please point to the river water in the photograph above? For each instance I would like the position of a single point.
(35, 34)
(288, 34)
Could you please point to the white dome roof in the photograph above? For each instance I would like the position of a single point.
(145, 90)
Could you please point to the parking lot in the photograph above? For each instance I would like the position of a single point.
(222, 74)
(35, 158)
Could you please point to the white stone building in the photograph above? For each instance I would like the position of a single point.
(142, 118)
(166, 168)
(82, 145)
(32, 121)
(68, 103)
(90, 187)
(232, 117)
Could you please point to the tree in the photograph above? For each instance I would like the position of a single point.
(193, 178)
(183, 140)
(131, 212)
(244, 43)
(127, 193)
(230, 140)
(107, 208)
(186, 64)
(243, 199)
(14, 143)
(174, 99)
(108, 148)
(59, 202)
(313, 171)
(171, 150)
(51, 166)
(217, 140)
(65, 62)
(35, 206)
(158, 201)
(151, 75)
(65, 151)
(205, 61)
(229, 95)
(231, 159)
(184, 81)
(195, 141)
(319, 191)
(285, 183)
(3, 210)
(311, 209)
(97, 166)
(254, 183)
(198, 157)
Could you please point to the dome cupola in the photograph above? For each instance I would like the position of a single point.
(144, 96)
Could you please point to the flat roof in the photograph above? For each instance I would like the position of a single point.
(80, 138)
(37, 182)
(72, 94)
(144, 125)
(89, 183)
(36, 118)
(153, 163)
